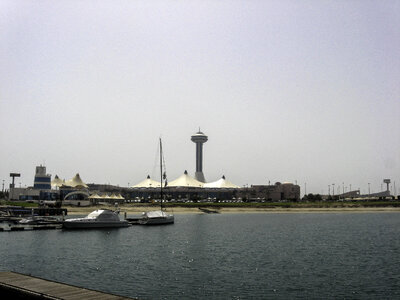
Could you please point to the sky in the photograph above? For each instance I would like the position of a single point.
(291, 91)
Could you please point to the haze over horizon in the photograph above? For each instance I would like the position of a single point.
(299, 91)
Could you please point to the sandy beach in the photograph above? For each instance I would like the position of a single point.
(134, 210)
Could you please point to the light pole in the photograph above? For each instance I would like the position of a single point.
(343, 187)
(305, 188)
(369, 190)
(329, 189)
(333, 189)
(3, 187)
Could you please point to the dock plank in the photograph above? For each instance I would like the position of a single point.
(27, 285)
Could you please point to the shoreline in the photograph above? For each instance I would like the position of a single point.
(136, 210)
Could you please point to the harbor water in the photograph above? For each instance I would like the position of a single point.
(222, 256)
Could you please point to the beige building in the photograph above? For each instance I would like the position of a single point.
(277, 192)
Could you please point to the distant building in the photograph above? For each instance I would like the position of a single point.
(42, 180)
(188, 188)
(41, 189)
(71, 190)
(277, 192)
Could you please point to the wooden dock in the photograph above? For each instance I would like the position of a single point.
(19, 286)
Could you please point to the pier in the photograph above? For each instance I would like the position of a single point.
(19, 286)
(38, 211)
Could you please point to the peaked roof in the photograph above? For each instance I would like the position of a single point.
(221, 183)
(147, 183)
(57, 182)
(185, 181)
(76, 181)
(94, 196)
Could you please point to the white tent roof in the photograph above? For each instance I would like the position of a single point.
(185, 181)
(76, 181)
(94, 196)
(148, 183)
(57, 182)
(221, 183)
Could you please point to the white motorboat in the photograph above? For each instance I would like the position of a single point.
(100, 218)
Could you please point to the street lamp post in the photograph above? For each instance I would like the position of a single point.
(369, 190)
(333, 189)
(329, 189)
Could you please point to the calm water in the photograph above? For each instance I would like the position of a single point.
(231, 256)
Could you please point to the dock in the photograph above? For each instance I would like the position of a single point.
(19, 286)
(9, 226)
(38, 211)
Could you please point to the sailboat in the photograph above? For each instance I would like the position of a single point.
(158, 217)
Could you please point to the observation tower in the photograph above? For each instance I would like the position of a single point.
(199, 138)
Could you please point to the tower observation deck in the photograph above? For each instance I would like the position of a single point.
(199, 139)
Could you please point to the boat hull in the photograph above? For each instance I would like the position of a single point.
(92, 225)
(157, 221)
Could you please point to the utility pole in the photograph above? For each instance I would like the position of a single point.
(329, 189)
(333, 189)
(369, 190)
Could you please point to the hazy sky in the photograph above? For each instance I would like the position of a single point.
(305, 91)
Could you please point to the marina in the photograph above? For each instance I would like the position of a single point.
(222, 256)
(168, 150)
(13, 223)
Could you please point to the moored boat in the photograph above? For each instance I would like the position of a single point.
(158, 217)
(100, 218)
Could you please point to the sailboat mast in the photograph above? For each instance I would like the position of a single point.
(161, 174)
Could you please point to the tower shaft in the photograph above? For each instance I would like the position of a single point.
(199, 157)
(199, 139)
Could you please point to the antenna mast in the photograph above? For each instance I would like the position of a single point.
(161, 176)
